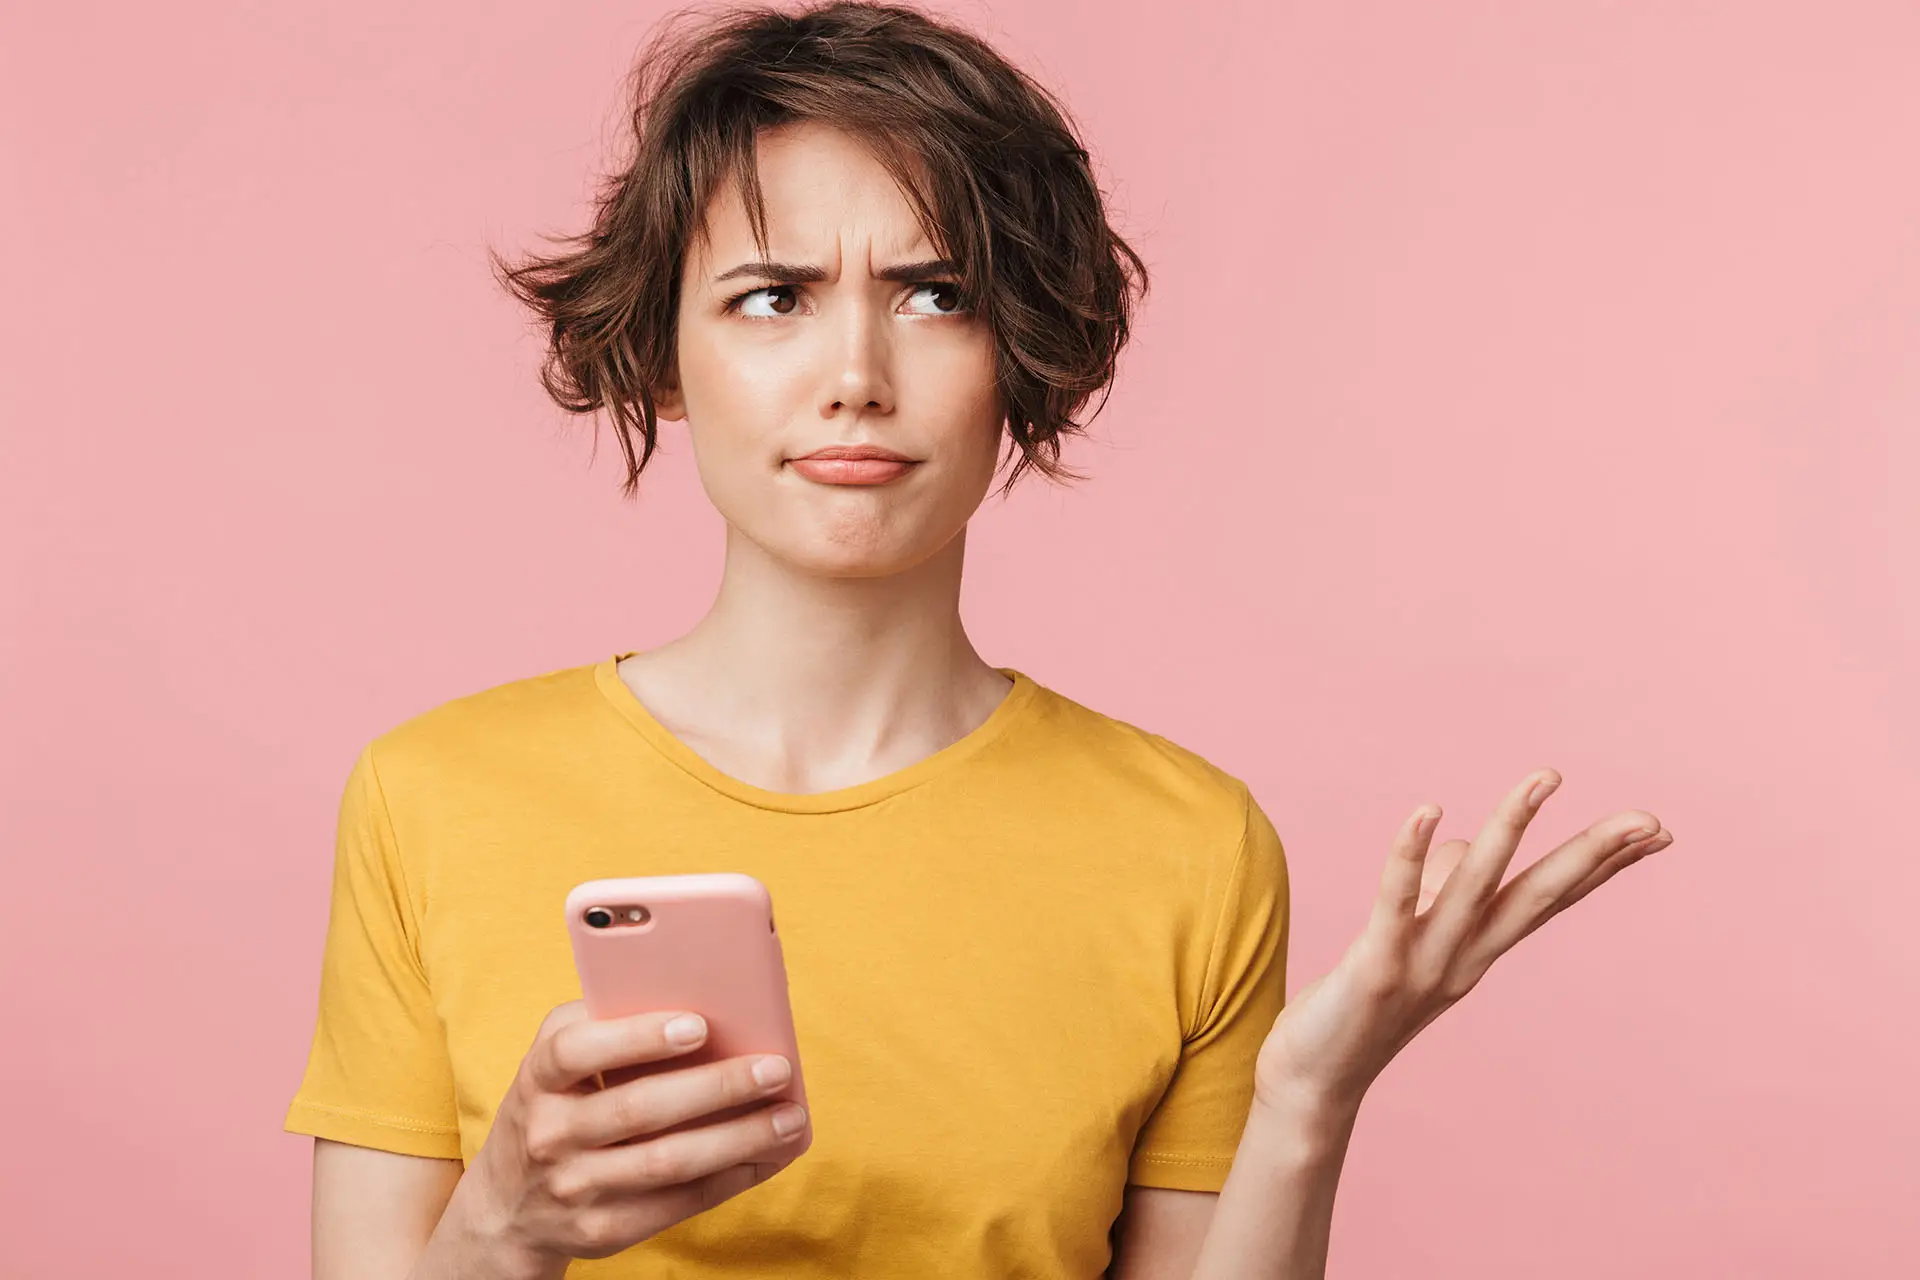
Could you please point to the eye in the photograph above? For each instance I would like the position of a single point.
(782, 300)
(954, 302)
(784, 305)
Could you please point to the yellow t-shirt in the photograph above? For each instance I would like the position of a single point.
(1025, 971)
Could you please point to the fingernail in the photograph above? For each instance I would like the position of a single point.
(1639, 833)
(789, 1120)
(686, 1029)
(768, 1072)
(1542, 790)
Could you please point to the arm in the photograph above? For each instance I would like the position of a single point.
(1170, 1197)
(1159, 1232)
(380, 1215)
(1275, 1214)
(1277, 1204)
(374, 1211)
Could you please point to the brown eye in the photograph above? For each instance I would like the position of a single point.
(740, 301)
(954, 303)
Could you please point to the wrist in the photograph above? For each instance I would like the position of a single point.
(476, 1239)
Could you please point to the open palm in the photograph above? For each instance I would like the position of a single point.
(1437, 925)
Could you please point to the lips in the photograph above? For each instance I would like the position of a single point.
(863, 464)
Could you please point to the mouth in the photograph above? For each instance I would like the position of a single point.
(863, 464)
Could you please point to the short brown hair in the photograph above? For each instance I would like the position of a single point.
(987, 157)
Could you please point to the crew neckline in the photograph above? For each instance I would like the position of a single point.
(606, 674)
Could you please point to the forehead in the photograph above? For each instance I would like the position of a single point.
(826, 193)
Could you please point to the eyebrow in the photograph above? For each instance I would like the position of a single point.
(905, 271)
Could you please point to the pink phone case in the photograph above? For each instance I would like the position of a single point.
(707, 945)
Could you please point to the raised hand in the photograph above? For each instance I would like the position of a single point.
(1437, 925)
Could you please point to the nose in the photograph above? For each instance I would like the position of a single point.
(862, 376)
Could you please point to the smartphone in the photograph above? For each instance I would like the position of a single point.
(702, 943)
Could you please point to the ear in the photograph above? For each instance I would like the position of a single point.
(668, 404)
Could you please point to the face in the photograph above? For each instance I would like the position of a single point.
(841, 405)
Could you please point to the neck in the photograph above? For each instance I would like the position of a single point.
(800, 682)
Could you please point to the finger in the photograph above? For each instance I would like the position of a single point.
(1400, 882)
(675, 1159)
(580, 1048)
(702, 1194)
(560, 1016)
(657, 1102)
(1613, 866)
(1463, 900)
(1440, 865)
(718, 1188)
(1565, 876)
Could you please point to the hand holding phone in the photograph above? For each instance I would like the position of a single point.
(632, 1110)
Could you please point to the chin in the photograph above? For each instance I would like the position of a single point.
(855, 532)
(850, 567)
(837, 558)
(851, 545)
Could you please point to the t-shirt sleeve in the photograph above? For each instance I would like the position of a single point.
(1188, 1141)
(377, 1074)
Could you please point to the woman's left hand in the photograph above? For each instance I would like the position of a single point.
(1437, 925)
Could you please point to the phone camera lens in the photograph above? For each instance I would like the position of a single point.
(599, 917)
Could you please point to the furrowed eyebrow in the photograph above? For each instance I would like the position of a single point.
(904, 271)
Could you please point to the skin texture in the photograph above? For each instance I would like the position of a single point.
(834, 653)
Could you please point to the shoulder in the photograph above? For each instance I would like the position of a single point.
(553, 713)
(1143, 775)
(1177, 821)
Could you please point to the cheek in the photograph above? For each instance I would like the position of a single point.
(732, 468)
(968, 480)
(970, 411)
(986, 439)
(733, 425)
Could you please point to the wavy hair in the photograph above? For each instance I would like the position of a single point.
(986, 156)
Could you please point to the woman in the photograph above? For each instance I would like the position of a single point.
(1037, 956)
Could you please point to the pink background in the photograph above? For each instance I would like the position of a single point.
(1523, 385)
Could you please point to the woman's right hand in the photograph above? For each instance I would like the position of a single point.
(569, 1169)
